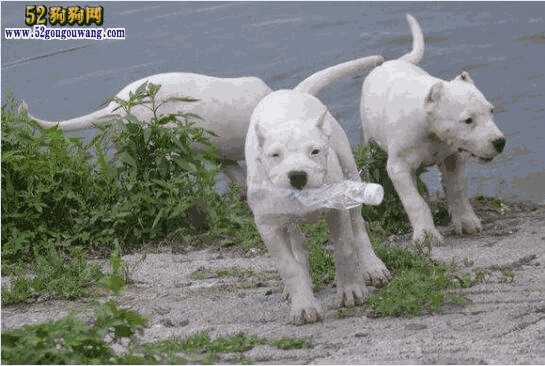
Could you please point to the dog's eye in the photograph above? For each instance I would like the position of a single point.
(468, 121)
(315, 152)
(275, 155)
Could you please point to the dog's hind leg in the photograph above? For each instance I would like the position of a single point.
(293, 270)
(350, 290)
(462, 215)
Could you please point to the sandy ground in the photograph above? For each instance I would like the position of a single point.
(503, 321)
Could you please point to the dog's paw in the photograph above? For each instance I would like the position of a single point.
(428, 235)
(376, 274)
(305, 314)
(350, 295)
(468, 223)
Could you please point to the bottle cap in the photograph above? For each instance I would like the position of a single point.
(373, 194)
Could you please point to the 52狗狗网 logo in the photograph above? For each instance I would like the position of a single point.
(61, 15)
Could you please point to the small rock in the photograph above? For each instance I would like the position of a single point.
(241, 295)
(259, 284)
(416, 326)
(161, 310)
(182, 284)
(268, 292)
(167, 322)
(184, 323)
(361, 335)
(231, 357)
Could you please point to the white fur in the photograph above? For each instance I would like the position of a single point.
(291, 130)
(224, 105)
(420, 120)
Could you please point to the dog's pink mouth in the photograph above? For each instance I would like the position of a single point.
(486, 160)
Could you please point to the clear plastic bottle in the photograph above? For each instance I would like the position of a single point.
(342, 196)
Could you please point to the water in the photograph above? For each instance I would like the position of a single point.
(502, 45)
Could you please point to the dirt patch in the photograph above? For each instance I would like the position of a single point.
(223, 293)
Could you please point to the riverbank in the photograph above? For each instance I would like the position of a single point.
(223, 293)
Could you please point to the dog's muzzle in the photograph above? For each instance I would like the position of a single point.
(298, 179)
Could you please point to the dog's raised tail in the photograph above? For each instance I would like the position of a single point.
(317, 81)
(417, 52)
(79, 123)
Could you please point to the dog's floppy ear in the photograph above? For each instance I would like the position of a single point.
(464, 76)
(260, 135)
(434, 94)
(322, 124)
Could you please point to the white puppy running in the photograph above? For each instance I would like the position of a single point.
(420, 120)
(293, 142)
(224, 105)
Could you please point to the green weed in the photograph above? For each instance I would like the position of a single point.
(419, 286)
(291, 343)
(232, 222)
(494, 203)
(322, 262)
(71, 340)
(55, 276)
(135, 183)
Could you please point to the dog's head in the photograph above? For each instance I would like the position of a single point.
(294, 153)
(461, 116)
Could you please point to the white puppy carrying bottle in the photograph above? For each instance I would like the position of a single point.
(341, 196)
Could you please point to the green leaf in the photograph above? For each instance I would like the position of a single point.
(127, 159)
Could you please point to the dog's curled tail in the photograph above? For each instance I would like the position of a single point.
(79, 123)
(417, 52)
(317, 81)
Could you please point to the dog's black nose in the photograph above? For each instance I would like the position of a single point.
(499, 144)
(298, 179)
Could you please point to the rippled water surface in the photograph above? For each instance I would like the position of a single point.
(502, 45)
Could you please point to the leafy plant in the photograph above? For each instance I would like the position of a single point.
(65, 341)
(163, 182)
(47, 183)
(232, 221)
(136, 182)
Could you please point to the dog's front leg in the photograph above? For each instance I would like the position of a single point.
(374, 271)
(462, 215)
(404, 179)
(350, 289)
(293, 269)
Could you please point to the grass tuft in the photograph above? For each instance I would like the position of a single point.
(420, 285)
(54, 276)
(291, 343)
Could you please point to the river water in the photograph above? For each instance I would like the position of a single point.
(502, 45)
